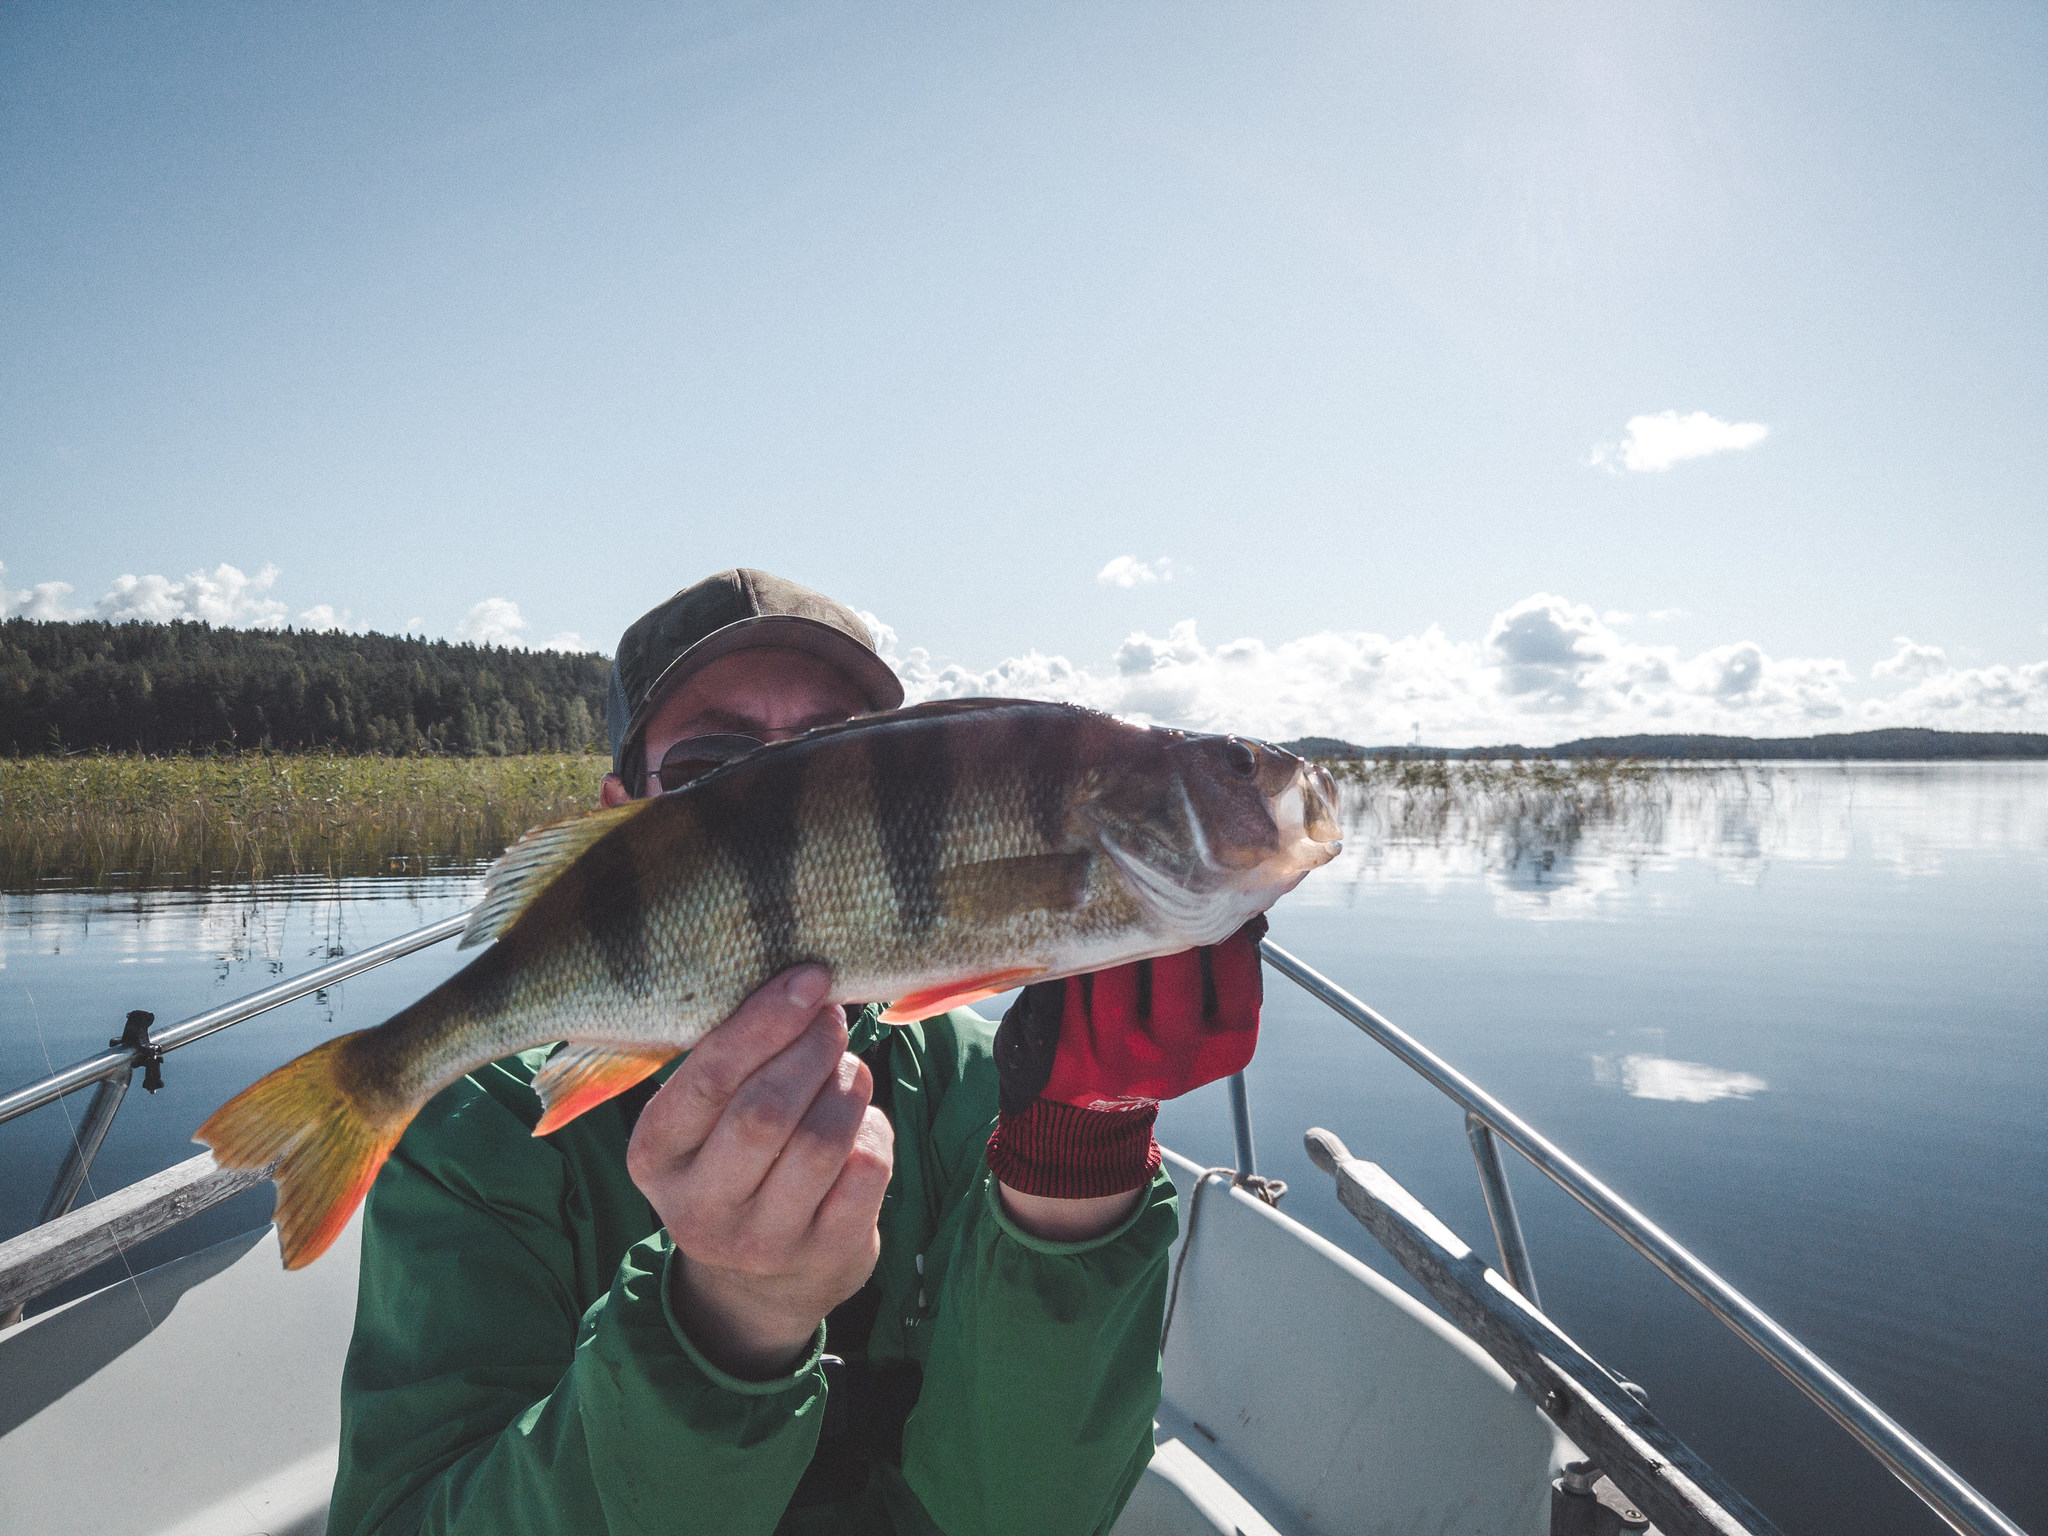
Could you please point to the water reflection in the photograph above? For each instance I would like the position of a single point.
(1570, 841)
(257, 930)
(1677, 1082)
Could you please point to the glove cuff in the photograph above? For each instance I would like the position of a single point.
(1066, 1153)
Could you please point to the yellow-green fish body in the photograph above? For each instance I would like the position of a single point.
(931, 856)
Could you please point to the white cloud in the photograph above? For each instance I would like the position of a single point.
(1128, 571)
(567, 640)
(1652, 444)
(223, 595)
(2000, 698)
(1912, 661)
(494, 621)
(44, 600)
(321, 616)
(1546, 670)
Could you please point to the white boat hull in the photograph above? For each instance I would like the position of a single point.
(1305, 1396)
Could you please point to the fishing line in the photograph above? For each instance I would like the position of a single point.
(85, 1169)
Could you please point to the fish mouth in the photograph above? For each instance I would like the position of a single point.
(1305, 812)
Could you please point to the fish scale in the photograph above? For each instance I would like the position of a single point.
(933, 856)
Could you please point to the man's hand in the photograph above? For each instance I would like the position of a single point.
(1083, 1063)
(765, 1162)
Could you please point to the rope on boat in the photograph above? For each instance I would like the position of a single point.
(1256, 1185)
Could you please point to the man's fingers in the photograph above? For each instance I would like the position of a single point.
(854, 1202)
(760, 1117)
(1113, 999)
(817, 1149)
(682, 1114)
(1176, 989)
(1237, 979)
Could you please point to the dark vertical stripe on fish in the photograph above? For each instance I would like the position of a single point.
(483, 986)
(613, 911)
(913, 778)
(1051, 753)
(753, 818)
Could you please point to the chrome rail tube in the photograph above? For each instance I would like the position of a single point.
(1500, 1210)
(85, 1145)
(1241, 1126)
(118, 1062)
(1930, 1478)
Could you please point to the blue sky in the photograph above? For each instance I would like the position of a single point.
(1332, 321)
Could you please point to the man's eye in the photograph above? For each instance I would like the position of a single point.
(694, 756)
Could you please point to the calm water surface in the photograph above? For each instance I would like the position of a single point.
(1794, 1013)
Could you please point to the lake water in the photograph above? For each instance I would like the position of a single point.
(1796, 1014)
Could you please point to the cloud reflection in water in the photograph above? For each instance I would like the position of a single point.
(1677, 1082)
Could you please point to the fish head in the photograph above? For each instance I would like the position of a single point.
(1209, 831)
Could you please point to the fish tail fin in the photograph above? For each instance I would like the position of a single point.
(322, 1143)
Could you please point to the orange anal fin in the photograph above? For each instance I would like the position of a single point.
(580, 1077)
(955, 994)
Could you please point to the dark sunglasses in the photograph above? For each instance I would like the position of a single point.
(694, 756)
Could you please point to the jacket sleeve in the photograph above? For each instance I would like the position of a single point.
(1042, 1378)
(476, 1399)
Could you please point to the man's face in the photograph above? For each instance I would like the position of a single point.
(769, 694)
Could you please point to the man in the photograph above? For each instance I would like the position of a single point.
(621, 1327)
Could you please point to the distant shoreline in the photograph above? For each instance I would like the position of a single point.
(1889, 746)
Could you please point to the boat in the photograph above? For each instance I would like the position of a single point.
(1305, 1394)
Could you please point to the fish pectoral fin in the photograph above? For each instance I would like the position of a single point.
(580, 1077)
(956, 994)
(527, 868)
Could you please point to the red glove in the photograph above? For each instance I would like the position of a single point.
(1083, 1063)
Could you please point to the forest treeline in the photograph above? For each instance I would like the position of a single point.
(1910, 744)
(189, 687)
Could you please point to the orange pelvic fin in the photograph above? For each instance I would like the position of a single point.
(956, 994)
(580, 1077)
(323, 1147)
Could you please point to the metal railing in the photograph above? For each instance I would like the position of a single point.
(1486, 1119)
(142, 1049)
(1937, 1486)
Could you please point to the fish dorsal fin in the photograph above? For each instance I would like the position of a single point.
(524, 870)
(580, 1077)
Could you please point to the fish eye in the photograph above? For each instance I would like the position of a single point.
(1243, 761)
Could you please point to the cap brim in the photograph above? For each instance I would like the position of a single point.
(776, 632)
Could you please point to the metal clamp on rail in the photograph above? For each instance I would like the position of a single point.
(135, 1037)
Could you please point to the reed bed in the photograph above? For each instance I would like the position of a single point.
(123, 821)
(1517, 810)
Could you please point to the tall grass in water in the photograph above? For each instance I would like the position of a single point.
(194, 821)
(1519, 810)
(126, 820)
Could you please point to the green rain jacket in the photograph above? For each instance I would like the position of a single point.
(517, 1366)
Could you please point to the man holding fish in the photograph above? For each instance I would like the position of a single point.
(599, 1281)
